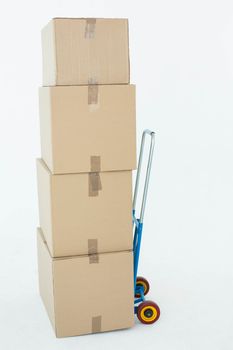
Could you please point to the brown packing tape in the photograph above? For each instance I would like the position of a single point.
(93, 251)
(95, 163)
(94, 177)
(92, 246)
(93, 91)
(94, 259)
(96, 324)
(90, 28)
(94, 184)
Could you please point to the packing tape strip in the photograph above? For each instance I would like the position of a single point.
(92, 95)
(94, 259)
(94, 184)
(90, 28)
(95, 164)
(93, 251)
(94, 177)
(96, 324)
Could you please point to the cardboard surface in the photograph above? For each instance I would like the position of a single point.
(83, 297)
(77, 123)
(71, 216)
(79, 51)
(45, 267)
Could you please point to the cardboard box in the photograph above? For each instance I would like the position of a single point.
(79, 51)
(84, 295)
(79, 122)
(85, 213)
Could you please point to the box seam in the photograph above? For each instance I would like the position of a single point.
(128, 51)
(55, 52)
(54, 302)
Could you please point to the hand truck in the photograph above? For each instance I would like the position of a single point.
(147, 312)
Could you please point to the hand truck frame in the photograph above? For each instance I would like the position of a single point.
(147, 311)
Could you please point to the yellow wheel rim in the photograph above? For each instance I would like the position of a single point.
(149, 319)
(142, 283)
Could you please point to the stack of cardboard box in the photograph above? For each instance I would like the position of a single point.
(87, 121)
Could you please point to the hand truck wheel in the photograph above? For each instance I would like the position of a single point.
(141, 281)
(148, 312)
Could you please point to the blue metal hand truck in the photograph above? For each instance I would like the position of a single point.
(147, 312)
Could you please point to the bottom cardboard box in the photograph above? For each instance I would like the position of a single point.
(86, 294)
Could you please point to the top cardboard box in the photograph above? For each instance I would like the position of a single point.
(79, 51)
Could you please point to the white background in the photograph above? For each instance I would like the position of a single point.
(182, 62)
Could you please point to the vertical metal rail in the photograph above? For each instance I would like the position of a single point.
(146, 184)
(139, 222)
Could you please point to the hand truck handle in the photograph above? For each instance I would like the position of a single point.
(147, 178)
